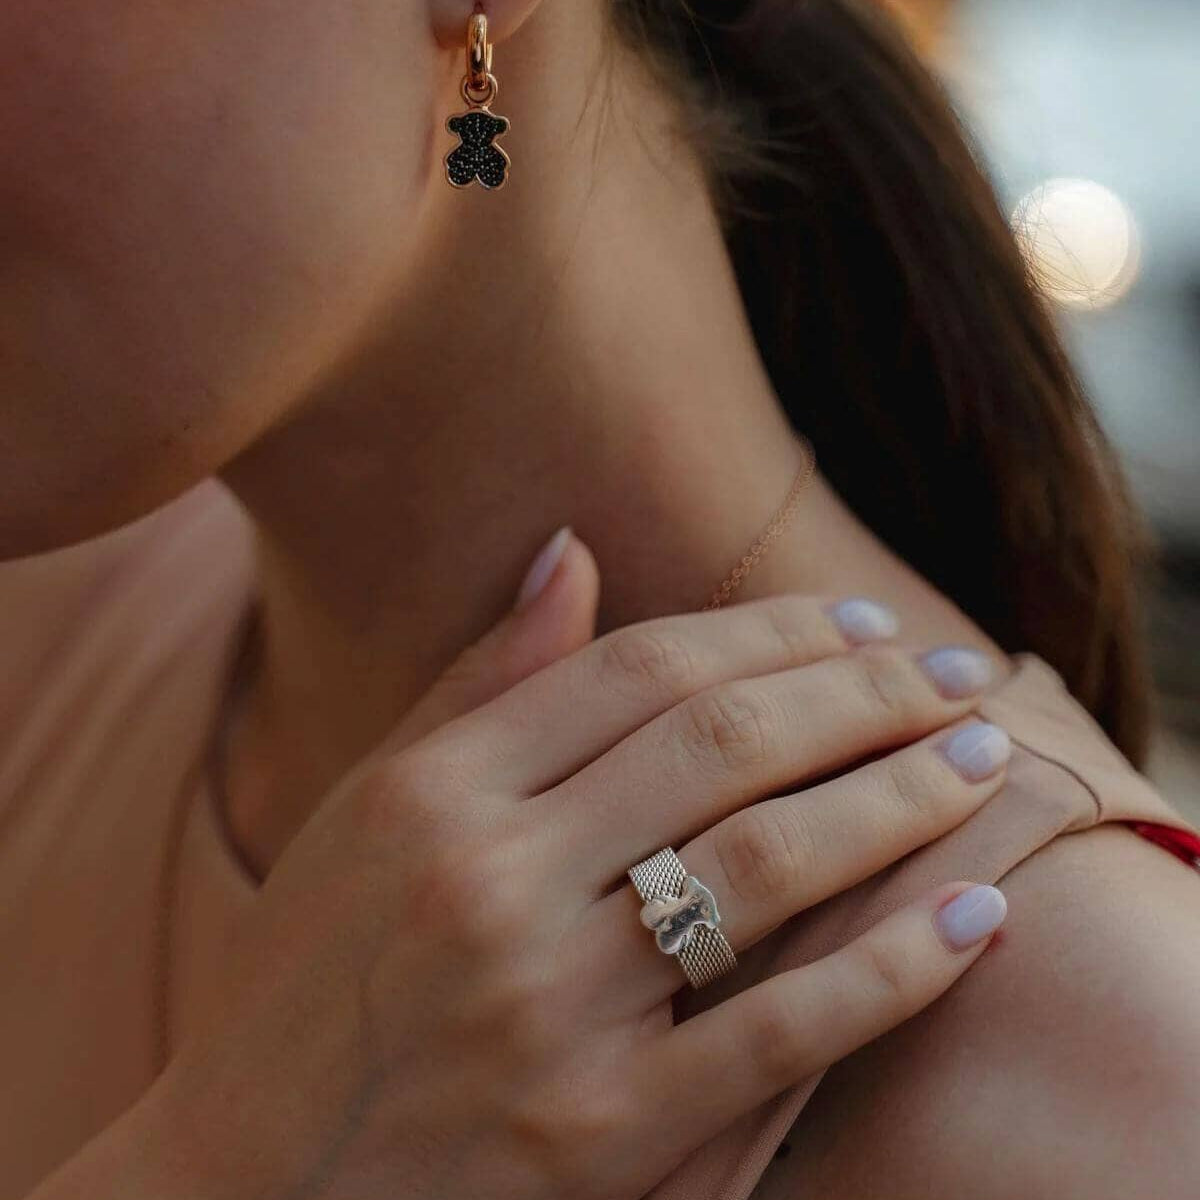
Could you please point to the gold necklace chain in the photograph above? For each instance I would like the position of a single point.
(774, 527)
(168, 883)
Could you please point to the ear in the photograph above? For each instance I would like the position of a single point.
(449, 19)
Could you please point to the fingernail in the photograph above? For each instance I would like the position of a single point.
(862, 620)
(957, 671)
(970, 917)
(978, 750)
(542, 569)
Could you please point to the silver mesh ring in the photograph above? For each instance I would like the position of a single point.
(683, 914)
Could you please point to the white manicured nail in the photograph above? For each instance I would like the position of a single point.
(542, 569)
(958, 671)
(970, 917)
(862, 620)
(978, 750)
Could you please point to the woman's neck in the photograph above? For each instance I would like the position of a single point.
(583, 361)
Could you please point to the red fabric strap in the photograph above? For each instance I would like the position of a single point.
(1180, 842)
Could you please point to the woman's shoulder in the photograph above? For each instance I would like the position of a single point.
(99, 619)
(111, 654)
(46, 595)
(1067, 1061)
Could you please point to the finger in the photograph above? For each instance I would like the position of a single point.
(735, 743)
(552, 723)
(710, 1070)
(555, 615)
(777, 858)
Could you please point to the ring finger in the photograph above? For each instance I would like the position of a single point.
(733, 744)
(777, 858)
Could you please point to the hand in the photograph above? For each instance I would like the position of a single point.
(444, 989)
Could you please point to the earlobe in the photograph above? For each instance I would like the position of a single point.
(448, 18)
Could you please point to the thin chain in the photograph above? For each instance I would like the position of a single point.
(777, 524)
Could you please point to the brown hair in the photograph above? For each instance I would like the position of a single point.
(902, 334)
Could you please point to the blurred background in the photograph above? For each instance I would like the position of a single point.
(1087, 114)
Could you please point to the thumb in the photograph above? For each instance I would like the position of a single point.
(553, 616)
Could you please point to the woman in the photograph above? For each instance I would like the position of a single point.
(234, 249)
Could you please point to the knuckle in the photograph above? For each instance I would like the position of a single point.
(386, 799)
(763, 851)
(912, 792)
(649, 656)
(732, 725)
(467, 891)
(445, 890)
(490, 907)
(595, 1121)
(885, 678)
(566, 1136)
(777, 1042)
(416, 773)
(801, 628)
(889, 974)
(537, 1130)
(406, 799)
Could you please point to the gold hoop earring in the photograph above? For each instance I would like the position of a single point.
(476, 158)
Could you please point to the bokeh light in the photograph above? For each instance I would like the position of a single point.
(1080, 240)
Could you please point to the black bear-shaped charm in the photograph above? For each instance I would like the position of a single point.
(475, 157)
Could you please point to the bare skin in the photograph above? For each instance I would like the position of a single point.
(484, 368)
(409, 388)
(583, 381)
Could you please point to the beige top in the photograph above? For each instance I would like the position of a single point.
(107, 698)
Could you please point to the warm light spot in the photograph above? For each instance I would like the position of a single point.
(1080, 241)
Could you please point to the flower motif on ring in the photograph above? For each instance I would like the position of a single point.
(673, 918)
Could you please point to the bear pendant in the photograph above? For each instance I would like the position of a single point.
(476, 158)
